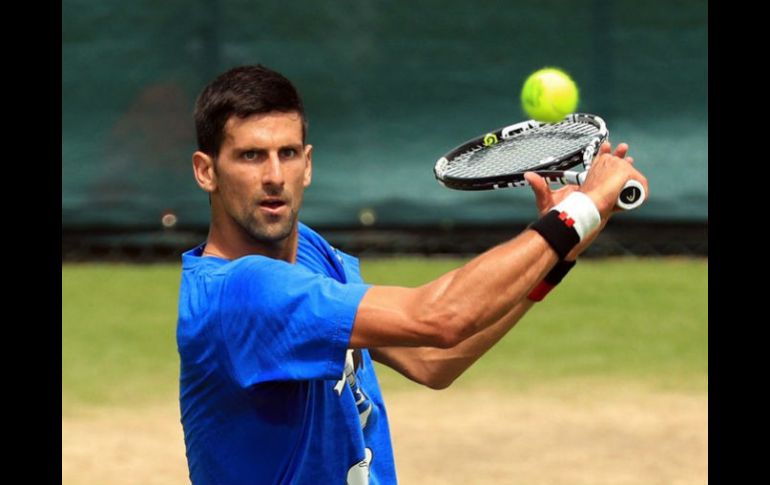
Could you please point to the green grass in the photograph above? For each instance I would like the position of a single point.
(642, 320)
(118, 332)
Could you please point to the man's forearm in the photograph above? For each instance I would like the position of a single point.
(457, 305)
(438, 368)
(484, 290)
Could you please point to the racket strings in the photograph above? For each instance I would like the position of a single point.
(524, 151)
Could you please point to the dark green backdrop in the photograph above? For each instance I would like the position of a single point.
(388, 86)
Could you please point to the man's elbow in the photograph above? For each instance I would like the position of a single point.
(438, 383)
(430, 376)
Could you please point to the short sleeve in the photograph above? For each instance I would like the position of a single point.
(281, 322)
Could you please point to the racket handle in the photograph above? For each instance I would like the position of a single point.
(631, 197)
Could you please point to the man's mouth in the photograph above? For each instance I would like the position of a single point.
(272, 205)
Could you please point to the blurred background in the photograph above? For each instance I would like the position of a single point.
(389, 86)
(604, 383)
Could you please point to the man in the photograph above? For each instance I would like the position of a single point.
(277, 331)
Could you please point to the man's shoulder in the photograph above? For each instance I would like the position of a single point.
(310, 235)
(313, 243)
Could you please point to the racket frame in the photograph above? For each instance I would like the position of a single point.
(551, 167)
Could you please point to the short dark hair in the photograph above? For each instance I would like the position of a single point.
(242, 91)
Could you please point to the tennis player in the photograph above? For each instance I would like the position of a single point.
(277, 331)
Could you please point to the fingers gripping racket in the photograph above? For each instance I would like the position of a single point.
(499, 159)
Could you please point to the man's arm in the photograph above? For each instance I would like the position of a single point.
(438, 368)
(458, 304)
(466, 301)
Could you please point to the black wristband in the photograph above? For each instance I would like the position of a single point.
(556, 228)
(558, 272)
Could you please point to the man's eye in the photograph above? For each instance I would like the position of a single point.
(288, 153)
(250, 155)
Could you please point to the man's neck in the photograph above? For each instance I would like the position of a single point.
(234, 244)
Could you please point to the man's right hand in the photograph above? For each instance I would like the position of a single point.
(605, 180)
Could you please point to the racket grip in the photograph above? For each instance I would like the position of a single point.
(631, 197)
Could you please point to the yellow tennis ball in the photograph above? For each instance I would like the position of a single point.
(549, 95)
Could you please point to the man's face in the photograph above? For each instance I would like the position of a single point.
(261, 172)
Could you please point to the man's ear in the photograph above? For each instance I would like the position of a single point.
(203, 169)
(309, 166)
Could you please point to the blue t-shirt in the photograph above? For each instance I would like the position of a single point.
(269, 391)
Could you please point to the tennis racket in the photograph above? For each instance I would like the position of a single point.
(499, 159)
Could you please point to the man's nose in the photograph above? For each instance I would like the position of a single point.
(273, 173)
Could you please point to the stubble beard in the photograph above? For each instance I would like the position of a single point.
(270, 231)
